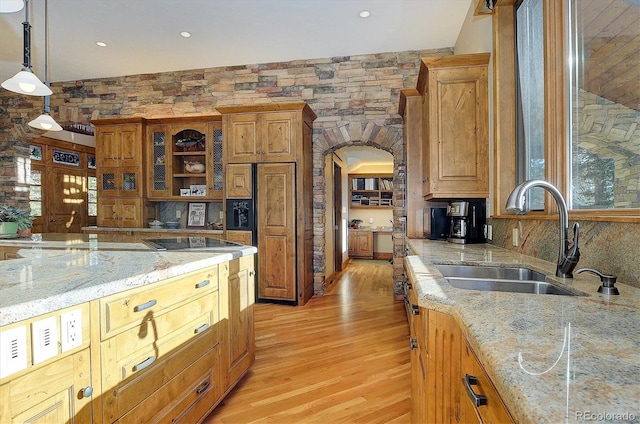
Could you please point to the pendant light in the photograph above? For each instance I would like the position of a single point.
(25, 81)
(45, 121)
(10, 6)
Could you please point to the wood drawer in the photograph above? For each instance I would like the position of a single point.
(126, 395)
(132, 351)
(197, 383)
(127, 310)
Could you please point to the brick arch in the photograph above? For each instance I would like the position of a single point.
(329, 137)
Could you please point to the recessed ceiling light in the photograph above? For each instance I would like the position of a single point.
(185, 34)
(101, 43)
(364, 14)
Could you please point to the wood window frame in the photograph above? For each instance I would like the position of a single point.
(556, 123)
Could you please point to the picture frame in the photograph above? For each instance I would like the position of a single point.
(185, 192)
(197, 215)
(198, 190)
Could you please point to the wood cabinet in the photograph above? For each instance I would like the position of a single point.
(278, 139)
(239, 236)
(455, 126)
(184, 155)
(119, 172)
(262, 137)
(159, 348)
(480, 402)
(361, 244)
(441, 358)
(56, 390)
(238, 328)
(239, 184)
(371, 191)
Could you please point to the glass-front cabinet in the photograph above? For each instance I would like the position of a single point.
(185, 159)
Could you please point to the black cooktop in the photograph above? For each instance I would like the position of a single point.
(189, 243)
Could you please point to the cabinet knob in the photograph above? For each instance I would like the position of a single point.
(413, 343)
(86, 392)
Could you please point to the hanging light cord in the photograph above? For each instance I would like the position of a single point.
(47, 104)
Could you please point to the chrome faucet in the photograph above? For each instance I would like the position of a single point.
(568, 256)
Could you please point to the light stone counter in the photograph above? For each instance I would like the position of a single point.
(56, 271)
(580, 355)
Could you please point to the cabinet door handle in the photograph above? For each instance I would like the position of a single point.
(144, 306)
(413, 343)
(201, 328)
(478, 400)
(415, 310)
(203, 387)
(144, 364)
(202, 283)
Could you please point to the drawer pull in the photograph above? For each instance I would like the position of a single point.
(203, 387)
(201, 328)
(415, 310)
(202, 283)
(86, 392)
(478, 400)
(144, 364)
(144, 306)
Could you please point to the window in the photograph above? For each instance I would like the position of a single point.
(92, 196)
(567, 101)
(604, 83)
(35, 192)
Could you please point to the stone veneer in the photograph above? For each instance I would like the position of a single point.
(609, 247)
(355, 98)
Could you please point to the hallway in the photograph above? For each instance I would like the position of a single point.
(341, 358)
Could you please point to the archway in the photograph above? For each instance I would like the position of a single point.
(331, 137)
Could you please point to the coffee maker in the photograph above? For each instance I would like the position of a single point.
(467, 220)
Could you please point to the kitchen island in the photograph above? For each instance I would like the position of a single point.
(113, 329)
(551, 358)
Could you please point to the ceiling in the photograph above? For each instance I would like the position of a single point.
(143, 36)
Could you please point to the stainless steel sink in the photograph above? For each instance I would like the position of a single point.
(506, 279)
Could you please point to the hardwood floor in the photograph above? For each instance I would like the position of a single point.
(341, 358)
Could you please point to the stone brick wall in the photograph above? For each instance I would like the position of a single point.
(355, 98)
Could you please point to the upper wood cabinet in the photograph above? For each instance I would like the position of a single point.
(455, 126)
(262, 137)
(184, 156)
(264, 133)
(119, 170)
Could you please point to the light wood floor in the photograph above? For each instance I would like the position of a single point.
(341, 358)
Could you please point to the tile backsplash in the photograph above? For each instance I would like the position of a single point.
(609, 247)
(168, 210)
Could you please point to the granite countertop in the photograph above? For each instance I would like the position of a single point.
(553, 359)
(373, 229)
(153, 230)
(56, 271)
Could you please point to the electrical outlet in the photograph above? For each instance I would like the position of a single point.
(489, 232)
(515, 239)
(178, 214)
(13, 350)
(71, 325)
(370, 220)
(221, 215)
(44, 339)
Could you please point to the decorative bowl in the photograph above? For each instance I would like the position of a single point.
(194, 167)
(172, 224)
(156, 224)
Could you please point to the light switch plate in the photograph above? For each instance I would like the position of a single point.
(44, 339)
(13, 350)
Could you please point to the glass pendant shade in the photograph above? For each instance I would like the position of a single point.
(45, 122)
(26, 82)
(10, 6)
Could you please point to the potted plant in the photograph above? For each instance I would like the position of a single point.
(14, 220)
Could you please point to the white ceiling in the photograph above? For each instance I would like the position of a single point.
(143, 36)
